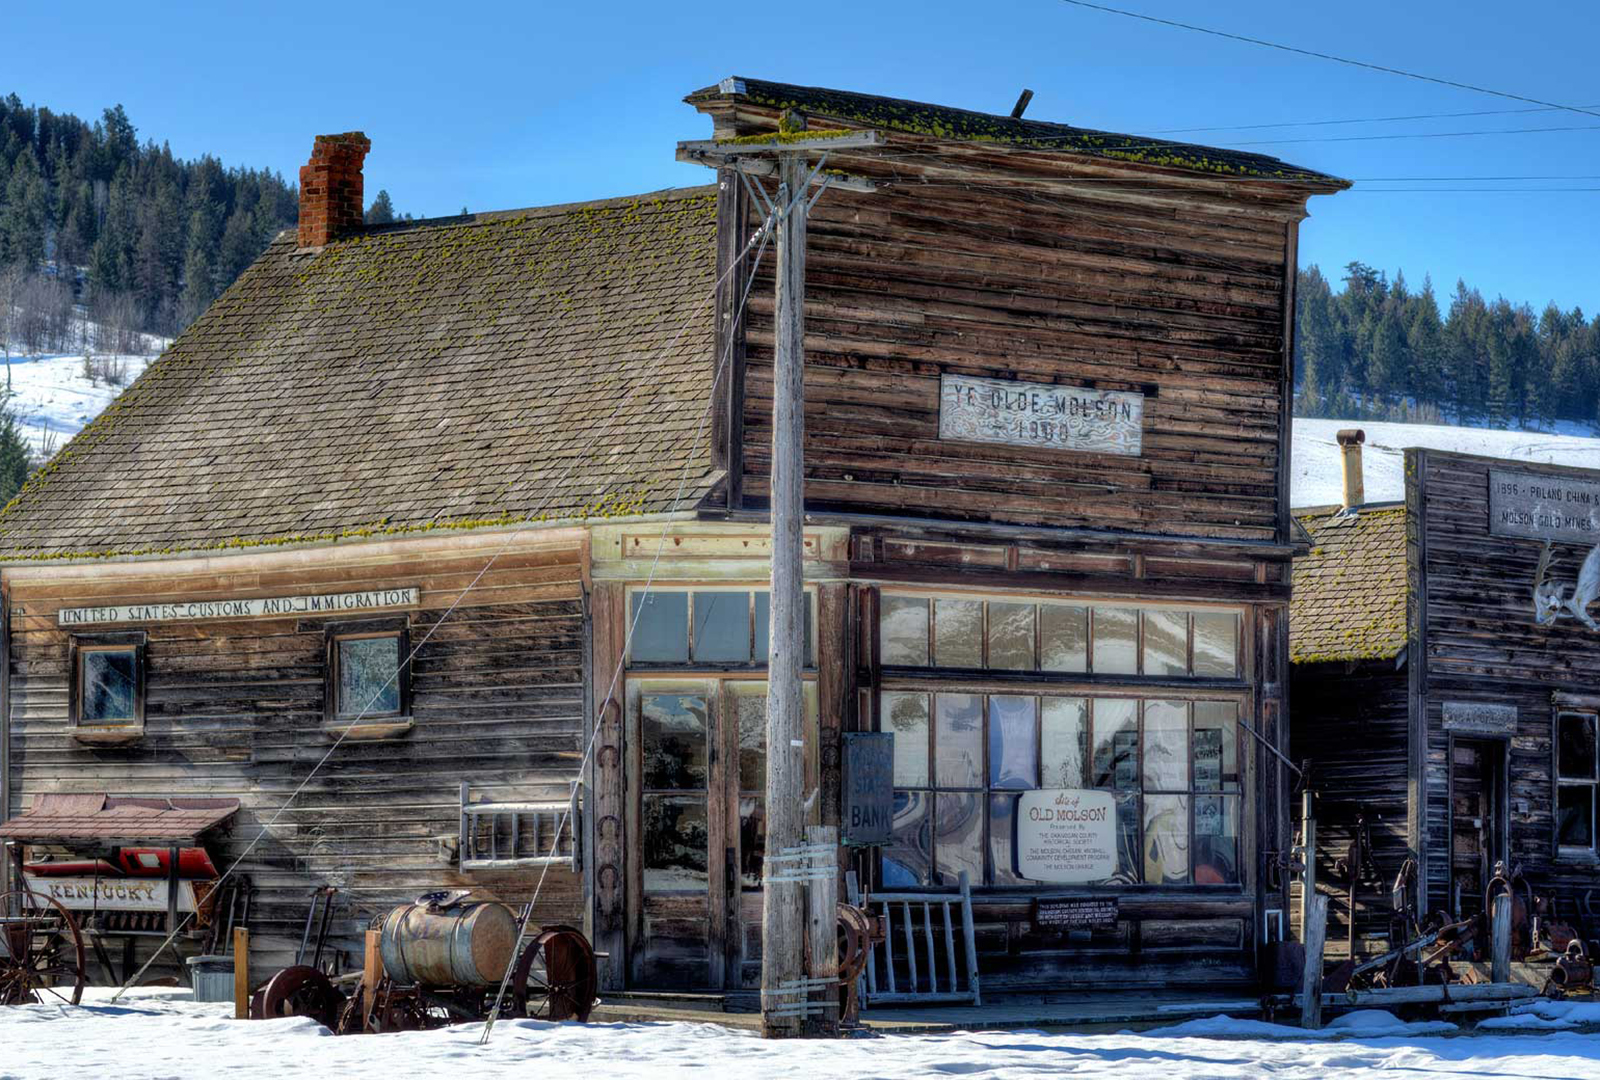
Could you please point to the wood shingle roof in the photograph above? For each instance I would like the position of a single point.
(966, 125)
(461, 371)
(1349, 600)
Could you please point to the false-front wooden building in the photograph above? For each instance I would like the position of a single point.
(1437, 707)
(492, 489)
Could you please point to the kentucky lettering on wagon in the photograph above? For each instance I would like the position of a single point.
(255, 608)
(1040, 414)
(89, 893)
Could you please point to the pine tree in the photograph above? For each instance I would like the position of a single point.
(381, 212)
(14, 463)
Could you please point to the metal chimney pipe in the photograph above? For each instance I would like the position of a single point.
(1350, 440)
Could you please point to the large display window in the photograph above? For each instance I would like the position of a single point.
(1168, 753)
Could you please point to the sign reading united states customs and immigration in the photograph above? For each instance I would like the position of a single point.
(1541, 506)
(254, 608)
(1040, 414)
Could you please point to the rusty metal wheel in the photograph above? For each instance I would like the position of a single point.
(41, 951)
(298, 991)
(556, 977)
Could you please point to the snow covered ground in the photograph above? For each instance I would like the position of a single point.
(159, 1033)
(52, 400)
(1318, 479)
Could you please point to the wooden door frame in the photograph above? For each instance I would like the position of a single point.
(1501, 828)
(724, 892)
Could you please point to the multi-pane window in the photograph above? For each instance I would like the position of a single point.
(1576, 779)
(962, 759)
(1017, 635)
(704, 626)
(108, 685)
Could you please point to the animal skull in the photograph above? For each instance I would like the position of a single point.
(1550, 600)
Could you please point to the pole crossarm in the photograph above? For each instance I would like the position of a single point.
(804, 142)
(755, 158)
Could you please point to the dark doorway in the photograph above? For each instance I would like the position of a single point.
(1477, 820)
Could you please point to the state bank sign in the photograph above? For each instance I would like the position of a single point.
(1066, 836)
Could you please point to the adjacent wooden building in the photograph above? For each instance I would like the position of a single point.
(1048, 547)
(1433, 704)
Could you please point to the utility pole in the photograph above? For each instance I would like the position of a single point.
(786, 991)
(783, 921)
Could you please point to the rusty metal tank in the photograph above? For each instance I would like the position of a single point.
(447, 944)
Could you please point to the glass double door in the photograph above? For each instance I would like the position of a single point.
(700, 765)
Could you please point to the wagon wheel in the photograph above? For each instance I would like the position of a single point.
(556, 977)
(41, 950)
(298, 991)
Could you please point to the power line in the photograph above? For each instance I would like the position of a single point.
(1361, 120)
(1331, 57)
(1419, 135)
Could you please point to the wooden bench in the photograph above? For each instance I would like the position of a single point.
(925, 925)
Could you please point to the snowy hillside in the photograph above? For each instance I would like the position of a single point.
(1318, 478)
(52, 398)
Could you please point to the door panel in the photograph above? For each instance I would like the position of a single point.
(700, 756)
(1475, 821)
(677, 756)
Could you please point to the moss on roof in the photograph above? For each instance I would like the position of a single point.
(1349, 599)
(459, 373)
(965, 125)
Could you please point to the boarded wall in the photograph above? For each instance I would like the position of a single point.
(235, 708)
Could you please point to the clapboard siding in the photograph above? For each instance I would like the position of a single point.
(1484, 645)
(235, 708)
(913, 282)
(1351, 723)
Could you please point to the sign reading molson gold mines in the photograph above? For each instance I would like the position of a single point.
(1066, 836)
(261, 607)
(1040, 414)
(1543, 506)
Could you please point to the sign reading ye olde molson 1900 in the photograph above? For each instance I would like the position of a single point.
(1040, 414)
(1540, 506)
(254, 608)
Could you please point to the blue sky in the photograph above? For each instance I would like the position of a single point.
(497, 105)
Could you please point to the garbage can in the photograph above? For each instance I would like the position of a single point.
(211, 977)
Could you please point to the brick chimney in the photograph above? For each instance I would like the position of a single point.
(331, 203)
(1350, 440)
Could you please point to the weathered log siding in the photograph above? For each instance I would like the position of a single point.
(1482, 644)
(1183, 305)
(235, 708)
(1351, 723)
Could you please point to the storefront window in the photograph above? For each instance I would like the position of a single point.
(961, 761)
(1576, 779)
(705, 627)
(1047, 637)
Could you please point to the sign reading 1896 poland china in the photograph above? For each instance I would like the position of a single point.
(1066, 837)
(1541, 506)
(1040, 414)
(254, 608)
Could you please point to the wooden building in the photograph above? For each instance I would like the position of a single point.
(1434, 706)
(1048, 543)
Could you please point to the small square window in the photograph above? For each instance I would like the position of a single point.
(369, 680)
(369, 676)
(109, 690)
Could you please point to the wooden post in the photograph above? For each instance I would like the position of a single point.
(783, 908)
(1308, 852)
(1316, 917)
(371, 976)
(241, 973)
(1500, 945)
(822, 931)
